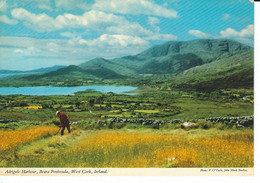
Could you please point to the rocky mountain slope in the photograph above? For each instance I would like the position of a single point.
(196, 63)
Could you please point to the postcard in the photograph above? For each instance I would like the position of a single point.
(126, 88)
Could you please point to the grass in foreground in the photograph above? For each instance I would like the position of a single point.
(177, 148)
(10, 138)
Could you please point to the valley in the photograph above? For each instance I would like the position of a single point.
(192, 98)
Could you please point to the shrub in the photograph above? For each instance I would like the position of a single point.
(205, 124)
(221, 126)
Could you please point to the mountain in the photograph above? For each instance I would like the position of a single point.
(70, 72)
(16, 73)
(48, 69)
(76, 71)
(98, 64)
(235, 71)
(201, 64)
(204, 64)
(171, 57)
(41, 70)
(207, 49)
(9, 71)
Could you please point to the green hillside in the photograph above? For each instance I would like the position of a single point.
(171, 64)
(70, 72)
(236, 71)
(116, 70)
(105, 73)
(203, 64)
(171, 57)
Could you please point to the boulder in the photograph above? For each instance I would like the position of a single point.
(188, 125)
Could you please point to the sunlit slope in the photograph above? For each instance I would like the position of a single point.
(232, 72)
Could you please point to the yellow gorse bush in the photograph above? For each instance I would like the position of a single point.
(14, 138)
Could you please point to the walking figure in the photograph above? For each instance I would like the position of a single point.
(64, 122)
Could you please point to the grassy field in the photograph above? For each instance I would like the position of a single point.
(28, 135)
(10, 138)
(132, 148)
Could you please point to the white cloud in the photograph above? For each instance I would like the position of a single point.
(110, 46)
(127, 28)
(163, 37)
(29, 53)
(30, 50)
(229, 32)
(118, 41)
(245, 35)
(6, 20)
(40, 23)
(134, 7)
(93, 20)
(153, 20)
(199, 34)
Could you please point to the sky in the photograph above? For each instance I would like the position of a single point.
(44, 33)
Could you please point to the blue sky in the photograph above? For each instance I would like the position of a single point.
(43, 33)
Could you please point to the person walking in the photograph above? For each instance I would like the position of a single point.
(64, 122)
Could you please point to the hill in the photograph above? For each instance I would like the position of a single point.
(71, 72)
(204, 64)
(48, 69)
(207, 49)
(236, 71)
(171, 57)
(110, 68)
(41, 70)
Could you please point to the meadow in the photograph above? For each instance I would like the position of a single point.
(10, 138)
(136, 148)
(28, 128)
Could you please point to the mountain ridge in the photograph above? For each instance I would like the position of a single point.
(40, 70)
(203, 50)
(178, 59)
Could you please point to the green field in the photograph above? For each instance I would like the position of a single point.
(163, 105)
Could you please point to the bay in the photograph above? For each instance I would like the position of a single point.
(50, 90)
